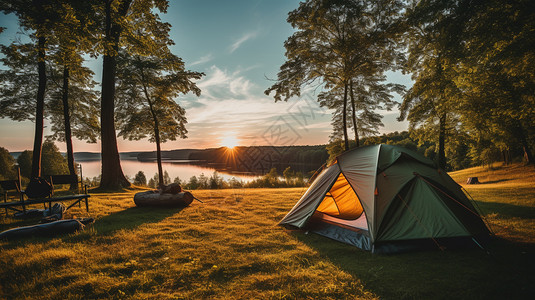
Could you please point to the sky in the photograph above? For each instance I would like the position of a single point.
(239, 45)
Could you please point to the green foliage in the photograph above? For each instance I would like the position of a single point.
(270, 180)
(336, 147)
(92, 182)
(215, 181)
(193, 183)
(154, 181)
(140, 179)
(337, 44)
(166, 178)
(147, 87)
(135, 29)
(288, 174)
(25, 163)
(53, 163)
(145, 105)
(7, 165)
(83, 105)
(472, 63)
(18, 77)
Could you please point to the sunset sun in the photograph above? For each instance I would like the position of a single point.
(230, 141)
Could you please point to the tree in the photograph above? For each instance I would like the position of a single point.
(366, 97)
(52, 25)
(166, 178)
(478, 56)
(145, 103)
(18, 79)
(53, 162)
(25, 163)
(288, 175)
(7, 164)
(73, 106)
(136, 25)
(193, 183)
(335, 42)
(38, 16)
(140, 178)
(215, 181)
(203, 181)
(497, 74)
(431, 104)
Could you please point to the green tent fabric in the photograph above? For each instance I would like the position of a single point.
(385, 198)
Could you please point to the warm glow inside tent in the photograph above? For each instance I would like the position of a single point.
(385, 198)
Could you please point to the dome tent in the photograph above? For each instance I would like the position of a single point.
(385, 199)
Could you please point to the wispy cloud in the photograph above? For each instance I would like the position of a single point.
(241, 40)
(224, 84)
(204, 59)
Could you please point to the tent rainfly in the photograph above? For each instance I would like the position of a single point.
(388, 199)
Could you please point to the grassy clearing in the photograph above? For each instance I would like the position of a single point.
(230, 247)
(506, 196)
(498, 175)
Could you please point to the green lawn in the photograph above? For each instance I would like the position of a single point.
(230, 247)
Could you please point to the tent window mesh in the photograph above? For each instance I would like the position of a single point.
(341, 201)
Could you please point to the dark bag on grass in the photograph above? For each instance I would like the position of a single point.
(38, 188)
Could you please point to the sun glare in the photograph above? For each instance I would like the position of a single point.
(230, 141)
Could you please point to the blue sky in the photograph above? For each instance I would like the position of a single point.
(238, 45)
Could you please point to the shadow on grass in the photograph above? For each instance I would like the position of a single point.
(11, 222)
(495, 181)
(132, 217)
(126, 219)
(452, 274)
(506, 210)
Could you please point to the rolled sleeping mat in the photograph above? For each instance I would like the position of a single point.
(43, 230)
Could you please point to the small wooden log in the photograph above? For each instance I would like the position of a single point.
(154, 198)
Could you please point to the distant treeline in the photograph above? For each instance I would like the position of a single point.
(261, 159)
(272, 179)
(462, 152)
(256, 160)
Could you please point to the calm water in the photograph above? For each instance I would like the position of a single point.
(182, 169)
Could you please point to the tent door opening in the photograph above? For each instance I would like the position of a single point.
(342, 206)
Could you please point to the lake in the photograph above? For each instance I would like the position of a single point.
(184, 169)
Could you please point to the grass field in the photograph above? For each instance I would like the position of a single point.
(230, 247)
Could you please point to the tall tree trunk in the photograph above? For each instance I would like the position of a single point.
(344, 119)
(354, 113)
(156, 130)
(158, 151)
(441, 157)
(112, 173)
(39, 110)
(528, 156)
(67, 124)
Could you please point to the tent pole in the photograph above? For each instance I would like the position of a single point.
(479, 210)
(479, 245)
